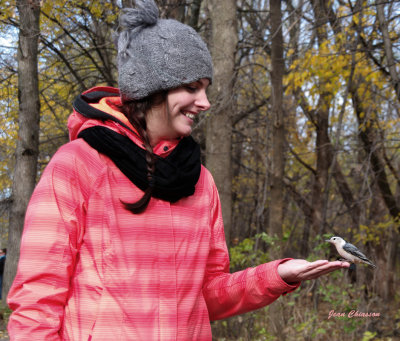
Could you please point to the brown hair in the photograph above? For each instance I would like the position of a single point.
(136, 112)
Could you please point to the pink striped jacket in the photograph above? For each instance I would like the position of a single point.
(91, 270)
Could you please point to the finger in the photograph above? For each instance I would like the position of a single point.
(305, 268)
(319, 262)
(340, 264)
(333, 266)
(310, 267)
(317, 275)
(323, 270)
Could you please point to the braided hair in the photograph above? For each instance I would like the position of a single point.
(136, 112)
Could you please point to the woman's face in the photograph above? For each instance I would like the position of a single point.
(175, 117)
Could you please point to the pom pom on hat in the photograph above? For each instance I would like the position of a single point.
(157, 54)
(145, 13)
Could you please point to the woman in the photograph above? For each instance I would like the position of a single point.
(124, 238)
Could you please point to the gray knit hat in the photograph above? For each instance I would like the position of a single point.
(157, 54)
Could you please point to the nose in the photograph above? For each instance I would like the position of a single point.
(202, 100)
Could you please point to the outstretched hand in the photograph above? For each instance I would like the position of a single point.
(297, 270)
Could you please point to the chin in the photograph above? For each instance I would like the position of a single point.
(185, 133)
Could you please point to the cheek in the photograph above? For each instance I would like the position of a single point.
(181, 100)
(174, 111)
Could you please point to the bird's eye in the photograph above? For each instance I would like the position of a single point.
(334, 238)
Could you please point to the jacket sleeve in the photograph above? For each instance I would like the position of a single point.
(52, 232)
(232, 294)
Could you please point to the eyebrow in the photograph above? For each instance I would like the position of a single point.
(200, 82)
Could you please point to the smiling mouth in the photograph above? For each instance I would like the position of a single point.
(189, 115)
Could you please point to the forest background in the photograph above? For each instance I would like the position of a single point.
(302, 139)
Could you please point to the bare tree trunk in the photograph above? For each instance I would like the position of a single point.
(194, 13)
(28, 135)
(322, 129)
(278, 134)
(219, 125)
(391, 62)
(278, 154)
(374, 151)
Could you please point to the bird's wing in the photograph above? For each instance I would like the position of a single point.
(353, 250)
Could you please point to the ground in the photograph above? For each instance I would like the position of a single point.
(4, 314)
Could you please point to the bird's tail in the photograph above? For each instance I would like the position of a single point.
(371, 264)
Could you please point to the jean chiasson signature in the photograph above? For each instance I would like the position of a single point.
(353, 314)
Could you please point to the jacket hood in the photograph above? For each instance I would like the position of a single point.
(99, 106)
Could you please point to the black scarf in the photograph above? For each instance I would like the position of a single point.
(175, 176)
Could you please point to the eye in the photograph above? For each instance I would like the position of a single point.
(190, 88)
(334, 238)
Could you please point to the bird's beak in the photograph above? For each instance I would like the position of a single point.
(328, 240)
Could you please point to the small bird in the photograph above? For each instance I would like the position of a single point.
(349, 252)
